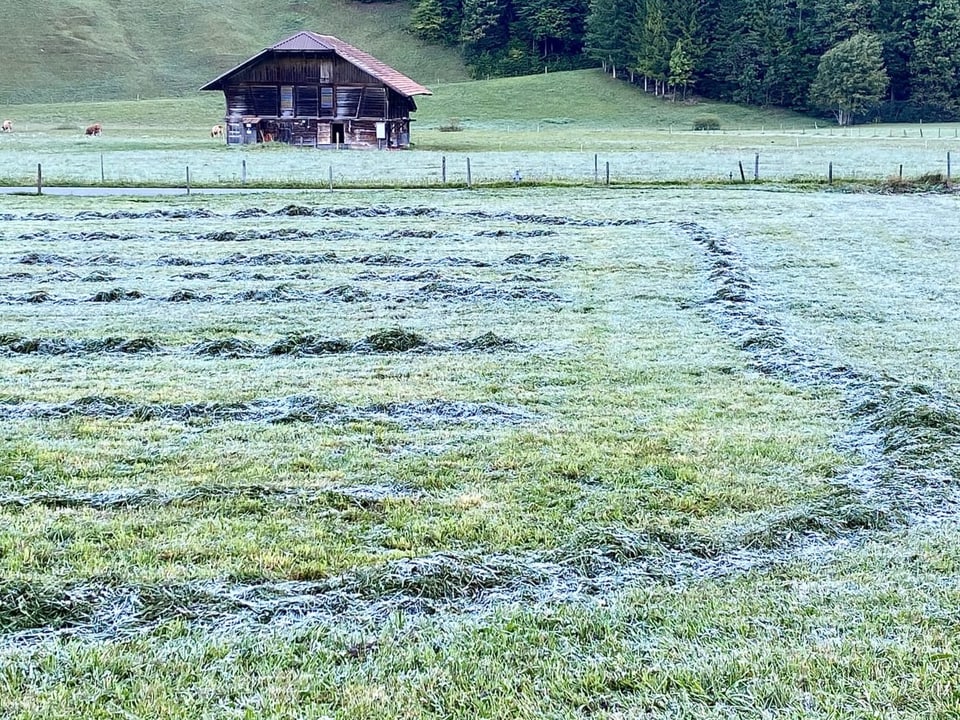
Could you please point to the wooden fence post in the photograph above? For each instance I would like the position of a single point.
(608, 172)
(756, 167)
(596, 168)
(443, 169)
(469, 177)
(330, 176)
(188, 179)
(948, 168)
(243, 171)
(101, 168)
(743, 177)
(830, 174)
(39, 179)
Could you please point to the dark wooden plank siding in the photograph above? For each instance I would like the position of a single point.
(304, 70)
(314, 100)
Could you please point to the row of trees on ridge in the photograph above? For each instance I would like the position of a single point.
(858, 59)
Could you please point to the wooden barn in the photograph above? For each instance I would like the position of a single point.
(319, 91)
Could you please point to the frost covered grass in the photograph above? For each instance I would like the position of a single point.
(606, 508)
(639, 155)
(644, 140)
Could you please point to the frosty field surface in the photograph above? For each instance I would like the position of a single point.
(577, 453)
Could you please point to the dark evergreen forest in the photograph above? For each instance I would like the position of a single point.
(858, 60)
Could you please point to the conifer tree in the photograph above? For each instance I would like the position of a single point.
(681, 69)
(608, 31)
(935, 65)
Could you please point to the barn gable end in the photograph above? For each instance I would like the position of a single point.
(317, 90)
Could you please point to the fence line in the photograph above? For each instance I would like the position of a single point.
(353, 170)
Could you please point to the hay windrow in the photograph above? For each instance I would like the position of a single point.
(293, 409)
(226, 347)
(281, 293)
(308, 345)
(488, 341)
(98, 276)
(907, 435)
(544, 259)
(377, 211)
(116, 295)
(346, 293)
(593, 564)
(188, 295)
(368, 497)
(16, 345)
(448, 291)
(39, 296)
(390, 340)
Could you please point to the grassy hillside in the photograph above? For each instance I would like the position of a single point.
(68, 50)
(568, 103)
(581, 98)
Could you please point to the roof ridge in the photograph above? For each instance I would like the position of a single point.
(308, 41)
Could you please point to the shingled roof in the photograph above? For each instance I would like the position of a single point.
(306, 41)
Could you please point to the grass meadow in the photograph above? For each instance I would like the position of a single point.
(644, 140)
(594, 452)
(680, 446)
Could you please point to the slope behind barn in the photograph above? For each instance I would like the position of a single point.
(67, 51)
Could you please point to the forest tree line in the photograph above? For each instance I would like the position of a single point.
(895, 60)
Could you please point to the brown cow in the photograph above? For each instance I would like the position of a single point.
(216, 131)
(94, 129)
(7, 126)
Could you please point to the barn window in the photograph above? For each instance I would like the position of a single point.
(348, 101)
(320, 70)
(286, 100)
(266, 100)
(326, 70)
(374, 102)
(308, 103)
(326, 101)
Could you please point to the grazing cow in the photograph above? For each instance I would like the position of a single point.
(8, 126)
(94, 129)
(216, 131)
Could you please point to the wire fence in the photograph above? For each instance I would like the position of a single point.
(315, 168)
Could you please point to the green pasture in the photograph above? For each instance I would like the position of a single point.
(87, 50)
(643, 140)
(649, 512)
